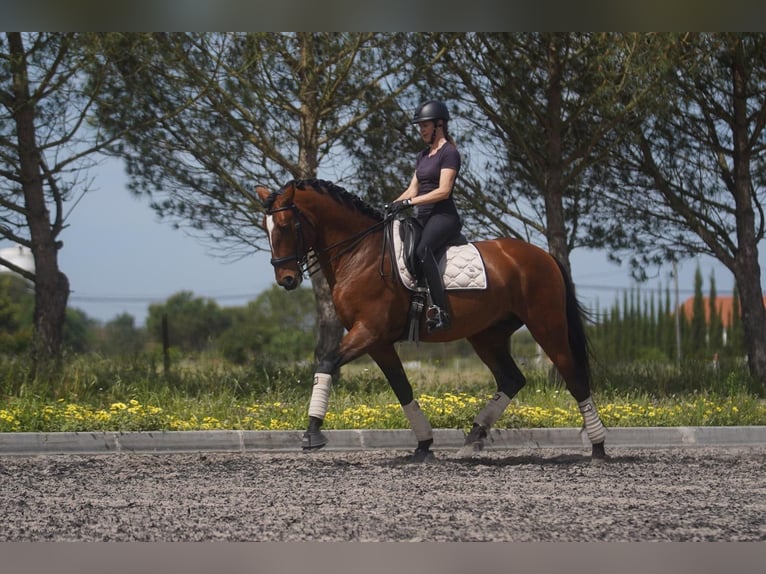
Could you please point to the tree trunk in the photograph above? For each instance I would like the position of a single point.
(51, 285)
(747, 271)
(753, 318)
(553, 192)
(329, 329)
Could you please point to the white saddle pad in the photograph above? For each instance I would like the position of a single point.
(461, 266)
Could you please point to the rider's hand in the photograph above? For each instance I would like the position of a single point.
(398, 206)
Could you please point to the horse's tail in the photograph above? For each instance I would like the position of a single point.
(578, 339)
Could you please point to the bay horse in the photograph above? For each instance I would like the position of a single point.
(525, 286)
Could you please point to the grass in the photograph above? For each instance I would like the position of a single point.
(100, 394)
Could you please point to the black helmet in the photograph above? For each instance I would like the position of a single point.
(431, 110)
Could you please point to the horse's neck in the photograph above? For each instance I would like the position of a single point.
(340, 245)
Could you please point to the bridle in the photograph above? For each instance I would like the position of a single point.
(302, 250)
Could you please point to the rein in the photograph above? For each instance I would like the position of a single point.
(302, 252)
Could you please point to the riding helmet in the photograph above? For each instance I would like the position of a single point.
(431, 110)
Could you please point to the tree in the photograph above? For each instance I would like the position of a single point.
(544, 102)
(79, 331)
(278, 326)
(698, 332)
(693, 171)
(48, 84)
(16, 311)
(255, 108)
(715, 329)
(193, 322)
(121, 337)
(736, 338)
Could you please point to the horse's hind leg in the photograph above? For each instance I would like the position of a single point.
(493, 348)
(576, 375)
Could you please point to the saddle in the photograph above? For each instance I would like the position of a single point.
(460, 263)
(410, 231)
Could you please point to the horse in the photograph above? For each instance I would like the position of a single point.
(318, 223)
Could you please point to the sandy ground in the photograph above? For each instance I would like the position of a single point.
(695, 494)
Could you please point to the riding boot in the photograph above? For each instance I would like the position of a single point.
(437, 315)
(419, 276)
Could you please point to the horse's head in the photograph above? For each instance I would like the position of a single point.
(287, 231)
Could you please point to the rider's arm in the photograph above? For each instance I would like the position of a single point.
(447, 178)
(411, 191)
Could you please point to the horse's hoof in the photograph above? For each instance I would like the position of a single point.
(313, 440)
(422, 456)
(474, 442)
(598, 454)
(470, 450)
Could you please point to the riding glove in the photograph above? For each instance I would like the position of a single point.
(398, 206)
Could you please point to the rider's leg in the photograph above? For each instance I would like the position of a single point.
(438, 229)
(438, 314)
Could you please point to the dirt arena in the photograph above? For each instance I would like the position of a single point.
(693, 494)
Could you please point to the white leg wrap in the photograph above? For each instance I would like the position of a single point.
(320, 395)
(418, 421)
(492, 411)
(593, 425)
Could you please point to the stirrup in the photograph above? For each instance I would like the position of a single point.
(437, 319)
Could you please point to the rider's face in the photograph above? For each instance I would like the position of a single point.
(427, 130)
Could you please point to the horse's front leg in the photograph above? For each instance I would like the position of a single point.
(314, 438)
(386, 357)
(355, 343)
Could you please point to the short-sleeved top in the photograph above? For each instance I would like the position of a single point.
(428, 170)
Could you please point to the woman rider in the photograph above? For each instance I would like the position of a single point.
(430, 192)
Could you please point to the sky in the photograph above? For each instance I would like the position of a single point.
(120, 258)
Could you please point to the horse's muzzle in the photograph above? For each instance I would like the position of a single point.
(289, 282)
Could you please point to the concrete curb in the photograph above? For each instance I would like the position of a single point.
(345, 440)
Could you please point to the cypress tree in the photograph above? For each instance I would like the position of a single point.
(737, 337)
(614, 340)
(633, 325)
(654, 323)
(715, 338)
(648, 320)
(669, 327)
(698, 332)
(626, 334)
(684, 325)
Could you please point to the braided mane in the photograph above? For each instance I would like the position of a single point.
(336, 192)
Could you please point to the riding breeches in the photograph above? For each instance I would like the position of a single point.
(438, 230)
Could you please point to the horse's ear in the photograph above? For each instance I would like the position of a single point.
(263, 193)
(288, 193)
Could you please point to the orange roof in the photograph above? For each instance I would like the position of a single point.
(724, 307)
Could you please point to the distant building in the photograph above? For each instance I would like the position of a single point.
(724, 306)
(18, 255)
